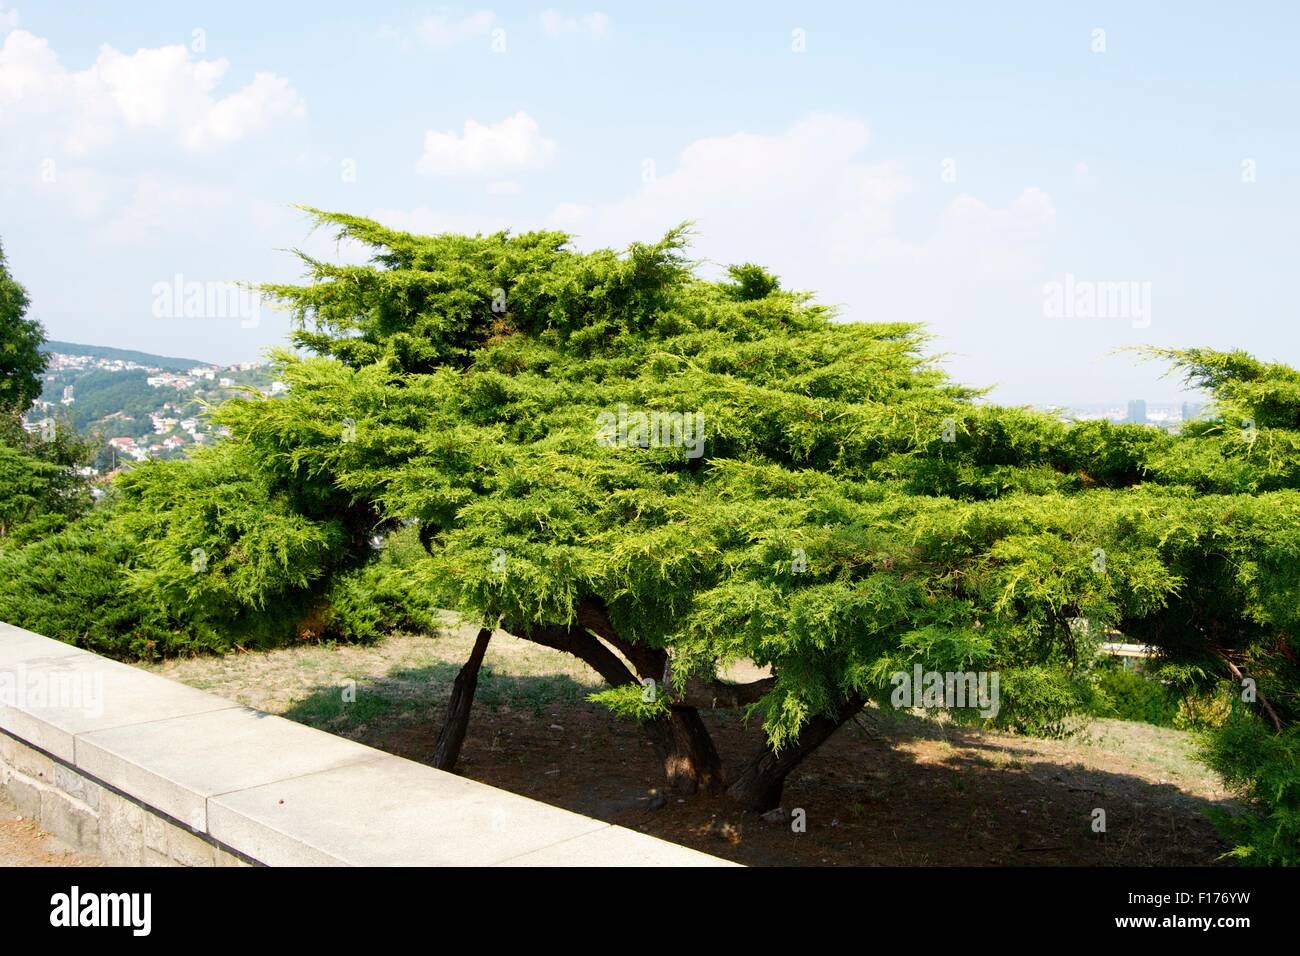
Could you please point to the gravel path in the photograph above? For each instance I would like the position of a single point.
(23, 844)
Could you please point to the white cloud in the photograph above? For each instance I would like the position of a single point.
(9, 19)
(814, 206)
(266, 99)
(160, 207)
(440, 30)
(974, 241)
(515, 143)
(809, 198)
(160, 89)
(29, 69)
(755, 188)
(596, 25)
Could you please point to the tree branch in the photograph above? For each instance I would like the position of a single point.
(578, 642)
(680, 738)
(648, 661)
(713, 694)
(654, 662)
(762, 779)
(1239, 676)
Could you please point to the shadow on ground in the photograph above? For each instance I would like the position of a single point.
(885, 790)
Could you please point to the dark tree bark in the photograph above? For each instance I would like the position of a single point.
(693, 764)
(712, 694)
(761, 781)
(680, 739)
(447, 750)
(594, 616)
(584, 646)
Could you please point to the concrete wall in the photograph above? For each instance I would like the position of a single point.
(88, 815)
(145, 771)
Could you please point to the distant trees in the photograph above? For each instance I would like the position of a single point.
(100, 393)
(40, 489)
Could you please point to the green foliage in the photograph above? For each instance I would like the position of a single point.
(21, 358)
(28, 485)
(198, 555)
(1128, 695)
(379, 598)
(630, 700)
(40, 489)
(752, 283)
(74, 586)
(1263, 767)
(40, 486)
(1043, 700)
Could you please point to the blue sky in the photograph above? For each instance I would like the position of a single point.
(927, 162)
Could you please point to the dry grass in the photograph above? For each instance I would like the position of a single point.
(888, 788)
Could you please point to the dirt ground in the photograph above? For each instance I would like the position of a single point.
(22, 843)
(885, 790)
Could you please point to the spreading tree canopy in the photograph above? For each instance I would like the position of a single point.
(814, 496)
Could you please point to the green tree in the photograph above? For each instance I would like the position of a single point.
(41, 485)
(848, 513)
(21, 358)
(40, 488)
(208, 554)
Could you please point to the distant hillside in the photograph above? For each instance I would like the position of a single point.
(126, 355)
(139, 404)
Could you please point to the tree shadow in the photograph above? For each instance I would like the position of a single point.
(893, 790)
(408, 701)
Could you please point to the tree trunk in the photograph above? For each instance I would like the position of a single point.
(692, 763)
(447, 750)
(760, 783)
(680, 739)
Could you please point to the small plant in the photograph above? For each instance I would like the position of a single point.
(1263, 768)
(631, 700)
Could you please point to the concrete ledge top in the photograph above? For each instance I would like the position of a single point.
(279, 792)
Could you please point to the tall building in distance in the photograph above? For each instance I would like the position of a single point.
(1191, 410)
(1137, 411)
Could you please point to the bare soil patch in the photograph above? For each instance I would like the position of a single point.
(885, 790)
(24, 843)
